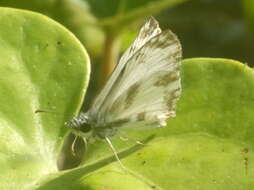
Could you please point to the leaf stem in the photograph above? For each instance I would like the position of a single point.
(111, 52)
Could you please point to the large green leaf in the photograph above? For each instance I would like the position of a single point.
(209, 145)
(42, 67)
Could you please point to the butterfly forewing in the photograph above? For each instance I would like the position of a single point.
(150, 84)
(145, 85)
(149, 30)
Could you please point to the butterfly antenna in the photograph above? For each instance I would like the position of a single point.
(114, 151)
(43, 111)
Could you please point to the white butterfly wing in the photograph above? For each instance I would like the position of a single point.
(150, 84)
(149, 30)
(145, 88)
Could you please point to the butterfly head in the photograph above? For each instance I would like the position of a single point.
(80, 126)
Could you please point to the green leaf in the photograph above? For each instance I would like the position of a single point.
(43, 67)
(209, 145)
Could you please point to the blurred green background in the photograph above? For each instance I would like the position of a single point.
(206, 28)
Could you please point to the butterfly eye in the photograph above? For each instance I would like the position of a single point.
(85, 128)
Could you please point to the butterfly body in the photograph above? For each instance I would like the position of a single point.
(141, 92)
(82, 126)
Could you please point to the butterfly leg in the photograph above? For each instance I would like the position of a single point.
(74, 142)
(73, 146)
(125, 138)
(85, 142)
(114, 152)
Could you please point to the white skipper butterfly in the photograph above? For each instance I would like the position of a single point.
(141, 92)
